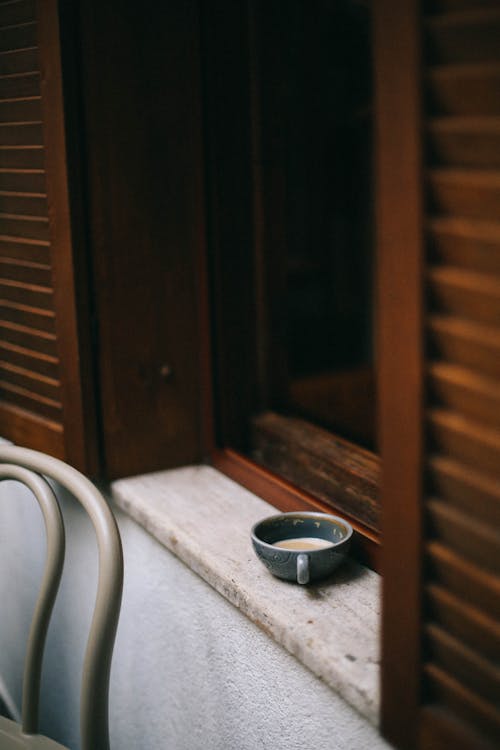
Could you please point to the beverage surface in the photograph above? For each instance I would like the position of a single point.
(303, 543)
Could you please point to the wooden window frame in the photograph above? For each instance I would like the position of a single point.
(400, 284)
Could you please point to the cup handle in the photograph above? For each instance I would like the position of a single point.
(302, 569)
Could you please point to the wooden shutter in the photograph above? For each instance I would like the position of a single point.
(41, 358)
(440, 249)
(141, 71)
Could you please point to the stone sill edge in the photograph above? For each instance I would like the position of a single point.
(167, 505)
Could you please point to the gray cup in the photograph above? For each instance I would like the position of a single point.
(302, 561)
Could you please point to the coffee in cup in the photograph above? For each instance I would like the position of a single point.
(301, 547)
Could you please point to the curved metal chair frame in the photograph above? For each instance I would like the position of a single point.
(27, 466)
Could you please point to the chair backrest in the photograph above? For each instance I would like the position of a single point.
(31, 467)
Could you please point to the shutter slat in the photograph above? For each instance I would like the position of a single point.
(470, 295)
(467, 194)
(465, 141)
(441, 729)
(465, 90)
(36, 251)
(27, 294)
(21, 110)
(466, 440)
(43, 320)
(21, 157)
(463, 578)
(18, 37)
(22, 180)
(19, 61)
(28, 427)
(465, 622)
(29, 227)
(30, 338)
(19, 11)
(463, 701)
(473, 245)
(32, 381)
(463, 663)
(30, 359)
(21, 134)
(466, 36)
(31, 204)
(31, 400)
(460, 531)
(25, 271)
(462, 342)
(466, 487)
(452, 6)
(20, 85)
(457, 388)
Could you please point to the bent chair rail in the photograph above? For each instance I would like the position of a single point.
(32, 469)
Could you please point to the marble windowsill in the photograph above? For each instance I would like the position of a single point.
(204, 518)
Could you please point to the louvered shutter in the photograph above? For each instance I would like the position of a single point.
(442, 517)
(42, 401)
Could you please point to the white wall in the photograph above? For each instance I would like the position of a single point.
(190, 672)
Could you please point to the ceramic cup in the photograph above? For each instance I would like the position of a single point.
(301, 547)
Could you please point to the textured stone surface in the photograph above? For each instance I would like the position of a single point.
(204, 518)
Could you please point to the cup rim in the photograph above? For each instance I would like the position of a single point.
(301, 514)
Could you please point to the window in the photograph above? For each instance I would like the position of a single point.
(291, 242)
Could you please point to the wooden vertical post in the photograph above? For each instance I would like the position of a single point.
(399, 342)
